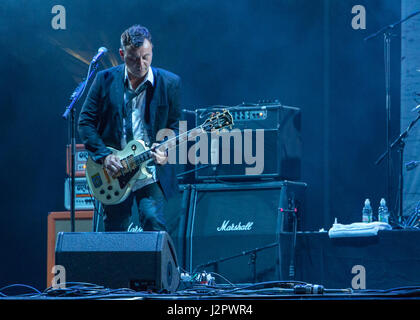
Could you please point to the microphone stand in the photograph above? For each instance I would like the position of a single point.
(192, 170)
(387, 32)
(400, 144)
(78, 92)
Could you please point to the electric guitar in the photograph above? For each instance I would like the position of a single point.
(135, 157)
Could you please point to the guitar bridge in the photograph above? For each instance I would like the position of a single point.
(124, 179)
(130, 168)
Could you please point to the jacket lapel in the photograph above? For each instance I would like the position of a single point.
(117, 99)
(119, 89)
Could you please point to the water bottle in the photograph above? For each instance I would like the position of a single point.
(383, 213)
(367, 212)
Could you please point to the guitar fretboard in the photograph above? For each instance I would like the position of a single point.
(132, 162)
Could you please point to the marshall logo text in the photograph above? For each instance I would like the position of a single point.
(234, 227)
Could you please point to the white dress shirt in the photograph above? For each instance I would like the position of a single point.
(139, 125)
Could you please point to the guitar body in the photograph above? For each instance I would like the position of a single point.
(113, 190)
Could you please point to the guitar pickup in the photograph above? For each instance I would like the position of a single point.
(96, 180)
(125, 168)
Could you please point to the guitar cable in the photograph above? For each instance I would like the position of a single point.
(97, 212)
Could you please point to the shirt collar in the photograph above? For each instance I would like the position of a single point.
(149, 78)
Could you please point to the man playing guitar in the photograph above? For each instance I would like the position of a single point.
(133, 101)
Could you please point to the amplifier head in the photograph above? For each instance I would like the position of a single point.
(267, 138)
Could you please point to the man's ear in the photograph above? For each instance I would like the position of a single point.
(121, 54)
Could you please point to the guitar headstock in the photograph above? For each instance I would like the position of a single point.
(218, 120)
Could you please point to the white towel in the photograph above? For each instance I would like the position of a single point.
(357, 229)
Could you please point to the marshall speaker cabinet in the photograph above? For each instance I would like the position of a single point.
(232, 228)
(264, 137)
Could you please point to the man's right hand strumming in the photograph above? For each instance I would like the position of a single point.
(112, 164)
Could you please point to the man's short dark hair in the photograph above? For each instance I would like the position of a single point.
(135, 36)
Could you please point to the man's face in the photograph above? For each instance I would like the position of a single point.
(138, 60)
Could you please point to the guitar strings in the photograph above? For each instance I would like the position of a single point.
(177, 140)
(179, 137)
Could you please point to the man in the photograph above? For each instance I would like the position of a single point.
(133, 101)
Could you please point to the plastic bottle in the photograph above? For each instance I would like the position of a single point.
(367, 212)
(383, 213)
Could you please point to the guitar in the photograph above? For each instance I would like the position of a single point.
(135, 157)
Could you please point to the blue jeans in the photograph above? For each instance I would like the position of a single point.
(148, 202)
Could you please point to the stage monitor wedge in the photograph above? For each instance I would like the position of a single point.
(135, 260)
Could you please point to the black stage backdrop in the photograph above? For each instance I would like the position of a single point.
(303, 52)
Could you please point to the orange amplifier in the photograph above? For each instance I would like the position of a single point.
(80, 159)
(60, 222)
(84, 199)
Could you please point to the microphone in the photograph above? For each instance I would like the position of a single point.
(101, 51)
(411, 165)
(417, 108)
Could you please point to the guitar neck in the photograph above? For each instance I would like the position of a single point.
(169, 144)
(216, 121)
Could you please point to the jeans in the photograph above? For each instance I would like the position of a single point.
(148, 202)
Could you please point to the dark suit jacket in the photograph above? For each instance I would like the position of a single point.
(101, 118)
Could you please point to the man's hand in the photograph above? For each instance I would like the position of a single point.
(159, 156)
(112, 164)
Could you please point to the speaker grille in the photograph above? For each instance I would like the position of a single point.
(115, 241)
